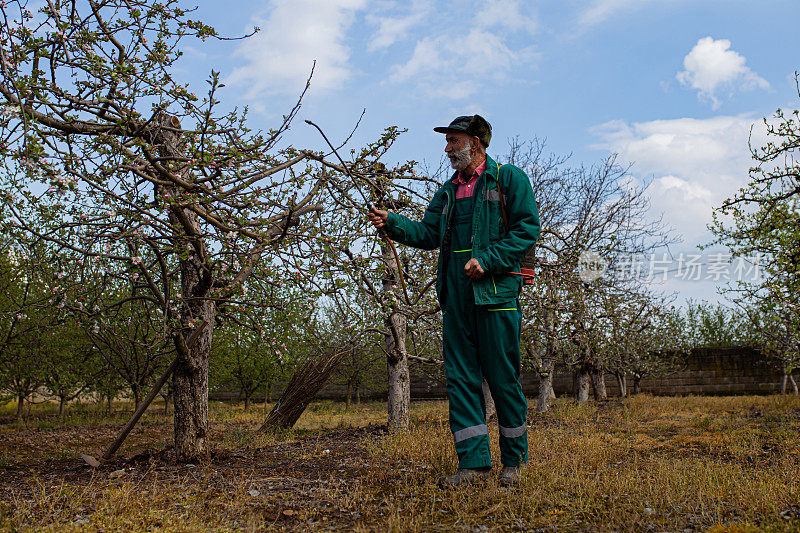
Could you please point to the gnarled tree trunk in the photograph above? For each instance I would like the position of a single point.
(399, 378)
(190, 378)
(599, 384)
(582, 384)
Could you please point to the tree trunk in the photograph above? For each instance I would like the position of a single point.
(190, 386)
(62, 407)
(784, 381)
(399, 380)
(109, 403)
(190, 378)
(623, 391)
(167, 400)
(399, 389)
(582, 384)
(546, 393)
(358, 396)
(794, 385)
(349, 398)
(267, 393)
(246, 402)
(137, 395)
(599, 385)
(636, 379)
(20, 407)
(488, 400)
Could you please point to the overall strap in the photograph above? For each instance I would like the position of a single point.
(500, 194)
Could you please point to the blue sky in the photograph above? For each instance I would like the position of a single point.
(672, 86)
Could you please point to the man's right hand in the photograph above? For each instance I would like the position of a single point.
(378, 217)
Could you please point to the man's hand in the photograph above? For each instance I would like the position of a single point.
(473, 269)
(378, 217)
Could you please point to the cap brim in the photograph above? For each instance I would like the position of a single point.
(445, 129)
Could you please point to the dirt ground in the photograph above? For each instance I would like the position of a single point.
(650, 464)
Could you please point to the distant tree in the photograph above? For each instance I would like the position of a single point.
(594, 210)
(264, 345)
(398, 287)
(761, 222)
(21, 370)
(709, 325)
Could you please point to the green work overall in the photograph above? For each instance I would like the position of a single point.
(480, 341)
(482, 319)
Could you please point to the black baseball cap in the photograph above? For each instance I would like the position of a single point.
(472, 125)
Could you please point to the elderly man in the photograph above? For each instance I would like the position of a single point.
(483, 220)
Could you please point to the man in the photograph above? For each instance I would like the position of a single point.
(483, 220)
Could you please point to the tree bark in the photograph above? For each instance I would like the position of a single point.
(349, 398)
(137, 395)
(488, 400)
(399, 379)
(582, 384)
(246, 402)
(599, 384)
(109, 404)
(399, 385)
(62, 407)
(190, 388)
(190, 378)
(636, 379)
(20, 407)
(623, 391)
(546, 393)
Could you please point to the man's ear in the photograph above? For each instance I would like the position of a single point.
(474, 143)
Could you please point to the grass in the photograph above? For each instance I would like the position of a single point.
(648, 463)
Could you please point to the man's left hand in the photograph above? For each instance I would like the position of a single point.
(473, 269)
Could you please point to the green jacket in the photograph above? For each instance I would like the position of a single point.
(498, 251)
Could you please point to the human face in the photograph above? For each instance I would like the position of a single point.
(458, 150)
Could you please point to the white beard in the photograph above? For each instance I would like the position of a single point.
(461, 159)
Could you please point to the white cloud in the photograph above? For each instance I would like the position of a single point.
(601, 10)
(392, 29)
(293, 34)
(507, 15)
(712, 65)
(455, 68)
(694, 164)
(456, 64)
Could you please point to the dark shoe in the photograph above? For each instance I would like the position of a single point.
(509, 475)
(462, 476)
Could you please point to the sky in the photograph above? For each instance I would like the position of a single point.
(676, 88)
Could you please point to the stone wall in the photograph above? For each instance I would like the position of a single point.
(704, 371)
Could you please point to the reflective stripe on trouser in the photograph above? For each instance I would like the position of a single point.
(480, 342)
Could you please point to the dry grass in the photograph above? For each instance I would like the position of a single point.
(662, 464)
